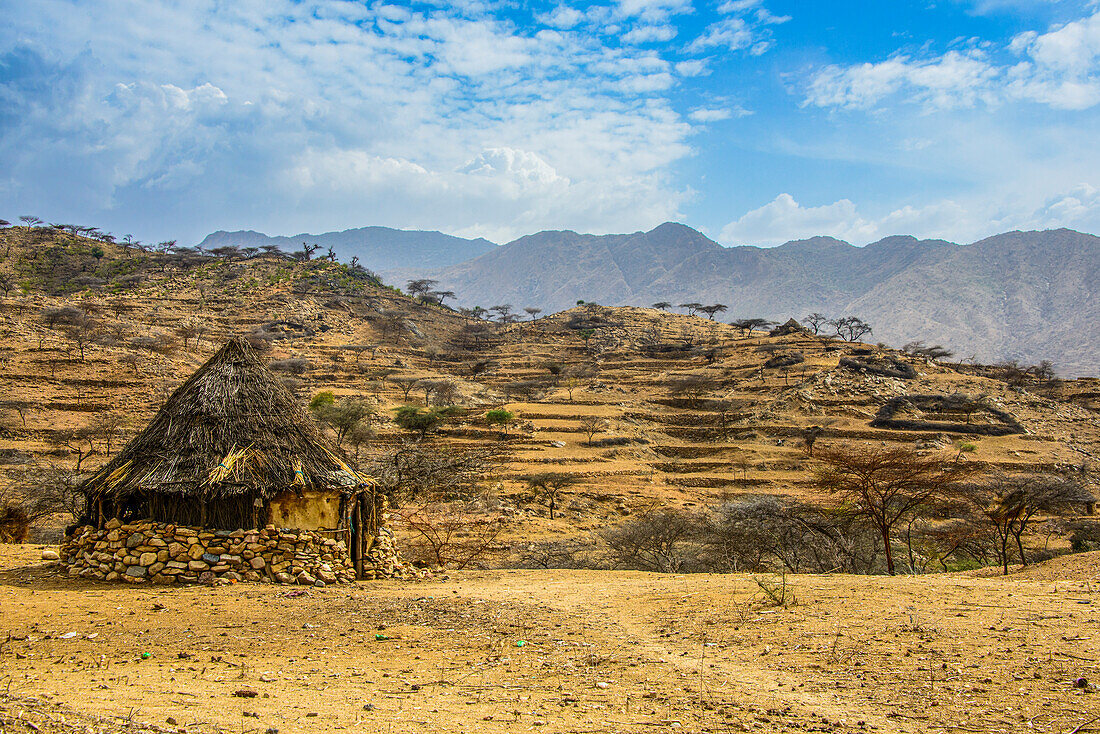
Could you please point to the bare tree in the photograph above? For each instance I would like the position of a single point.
(816, 321)
(886, 485)
(405, 385)
(692, 388)
(591, 425)
(108, 425)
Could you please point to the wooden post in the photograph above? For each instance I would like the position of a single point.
(99, 512)
(357, 539)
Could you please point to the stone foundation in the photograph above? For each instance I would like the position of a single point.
(159, 553)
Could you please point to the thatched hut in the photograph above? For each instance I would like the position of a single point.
(231, 449)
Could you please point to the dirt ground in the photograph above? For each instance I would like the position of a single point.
(553, 651)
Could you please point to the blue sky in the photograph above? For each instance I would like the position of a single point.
(755, 121)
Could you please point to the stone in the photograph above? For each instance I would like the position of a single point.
(155, 568)
(147, 559)
(114, 523)
(231, 575)
(51, 555)
(282, 578)
(198, 566)
(257, 562)
(305, 579)
(207, 577)
(211, 558)
(137, 572)
(135, 540)
(196, 551)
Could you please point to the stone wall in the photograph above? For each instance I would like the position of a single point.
(159, 553)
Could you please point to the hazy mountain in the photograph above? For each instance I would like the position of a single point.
(1020, 295)
(378, 248)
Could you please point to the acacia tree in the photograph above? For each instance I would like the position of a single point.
(548, 487)
(663, 305)
(500, 417)
(711, 310)
(748, 325)
(886, 485)
(691, 307)
(851, 328)
(1010, 502)
(533, 312)
(420, 286)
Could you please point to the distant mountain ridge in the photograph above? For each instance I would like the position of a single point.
(378, 248)
(1020, 295)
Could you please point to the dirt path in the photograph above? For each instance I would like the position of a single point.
(556, 651)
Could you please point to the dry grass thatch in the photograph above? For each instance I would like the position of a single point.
(230, 435)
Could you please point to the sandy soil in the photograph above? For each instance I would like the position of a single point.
(554, 651)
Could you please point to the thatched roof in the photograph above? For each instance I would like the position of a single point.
(231, 429)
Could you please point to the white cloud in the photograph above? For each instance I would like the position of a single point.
(956, 79)
(731, 33)
(1059, 68)
(563, 17)
(288, 115)
(653, 10)
(650, 33)
(714, 114)
(740, 30)
(784, 219)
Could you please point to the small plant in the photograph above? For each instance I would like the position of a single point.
(775, 591)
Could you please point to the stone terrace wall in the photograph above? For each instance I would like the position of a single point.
(146, 551)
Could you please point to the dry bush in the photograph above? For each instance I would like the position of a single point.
(659, 539)
(420, 470)
(38, 492)
(293, 366)
(452, 535)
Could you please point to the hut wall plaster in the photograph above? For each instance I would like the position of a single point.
(312, 510)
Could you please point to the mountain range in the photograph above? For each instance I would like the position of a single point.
(1026, 296)
(378, 248)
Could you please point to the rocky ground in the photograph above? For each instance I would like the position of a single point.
(555, 651)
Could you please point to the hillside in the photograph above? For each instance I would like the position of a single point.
(1024, 296)
(640, 408)
(379, 248)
